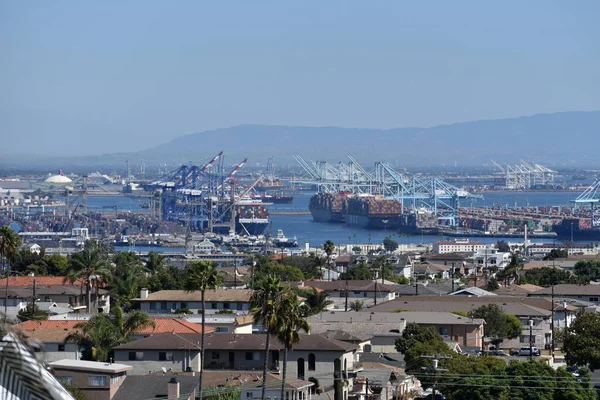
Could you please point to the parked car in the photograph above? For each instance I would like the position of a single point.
(525, 351)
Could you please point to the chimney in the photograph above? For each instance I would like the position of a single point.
(173, 389)
(144, 293)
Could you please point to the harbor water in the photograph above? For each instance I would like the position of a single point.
(305, 229)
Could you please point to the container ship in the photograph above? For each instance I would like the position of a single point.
(269, 184)
(250, 219)
(273, 198)
(329, 207)
(373, 212)
(576, 228)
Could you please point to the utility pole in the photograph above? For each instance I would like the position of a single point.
(530, 321)
(552, 320)
(435, 369)
(346, 291)
(33, 296)
(452, 277)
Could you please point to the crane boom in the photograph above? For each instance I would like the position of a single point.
(211, 162)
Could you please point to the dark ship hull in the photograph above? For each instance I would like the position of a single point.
(577, 229)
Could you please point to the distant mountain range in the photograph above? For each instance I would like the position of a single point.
(559, 139)
(562, 138)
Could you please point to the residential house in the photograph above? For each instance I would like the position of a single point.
(457, 246)
(364, 290)
(358, 339)
(313, 356)
(52, 334)
(384, 328)
(490, 257)
(590, 293)
(524, 308)
(517, 290)
(50, 338)
(48, 289)
(165, 301)
(431, 271)
(99, 380)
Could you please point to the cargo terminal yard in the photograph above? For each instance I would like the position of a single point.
(213, 199)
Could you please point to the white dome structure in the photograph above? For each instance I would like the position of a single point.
(58, 179)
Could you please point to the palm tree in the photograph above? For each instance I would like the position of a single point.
(155, 262)
(316, 302)
(98, 336)
(264, 306)
(9, 244)
(329, 248)
(128, 276)
(202, 276)
(291, 323)
(92, 265)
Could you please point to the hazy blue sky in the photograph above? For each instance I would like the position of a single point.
(107, 76)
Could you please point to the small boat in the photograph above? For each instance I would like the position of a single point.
(281, 241)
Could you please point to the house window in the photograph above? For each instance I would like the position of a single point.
(226, 306)
(65, 379)
(594, 299)
(114, 380)
(96, 381)
(311, 361)
(214, 306)
(61, 347)
(136, 356)
(249, 395)
(248, 356)
(240, 306)
(152, 305)
(216, 355)
(163, 305)
(183, 305)
(165, 356)
(443, 331)
(252, 356)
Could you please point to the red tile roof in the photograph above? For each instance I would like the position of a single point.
(163, 325)
(39, 280)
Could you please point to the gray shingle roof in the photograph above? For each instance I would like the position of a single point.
(230, 341)
(141, 387)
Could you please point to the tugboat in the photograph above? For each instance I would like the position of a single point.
(281, 241)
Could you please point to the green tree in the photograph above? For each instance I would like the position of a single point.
(360, 271)
(167, 278)
(484, 378)
(498, 324)
(155, 262)
(9, 244)
(572, 387)
(587, 270)
(356, 305)
(77, 393)
(390, 245)
(415, 363)
(264, 306)
(129, 276)
(556, 253)
(531, 380)
(202, 276)
(414, 333)
(31, 311)
(57, 264)
(546, 276)
(289, 327)
(92, 265)
(492, 285)
(582, 341)
(502, 246)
